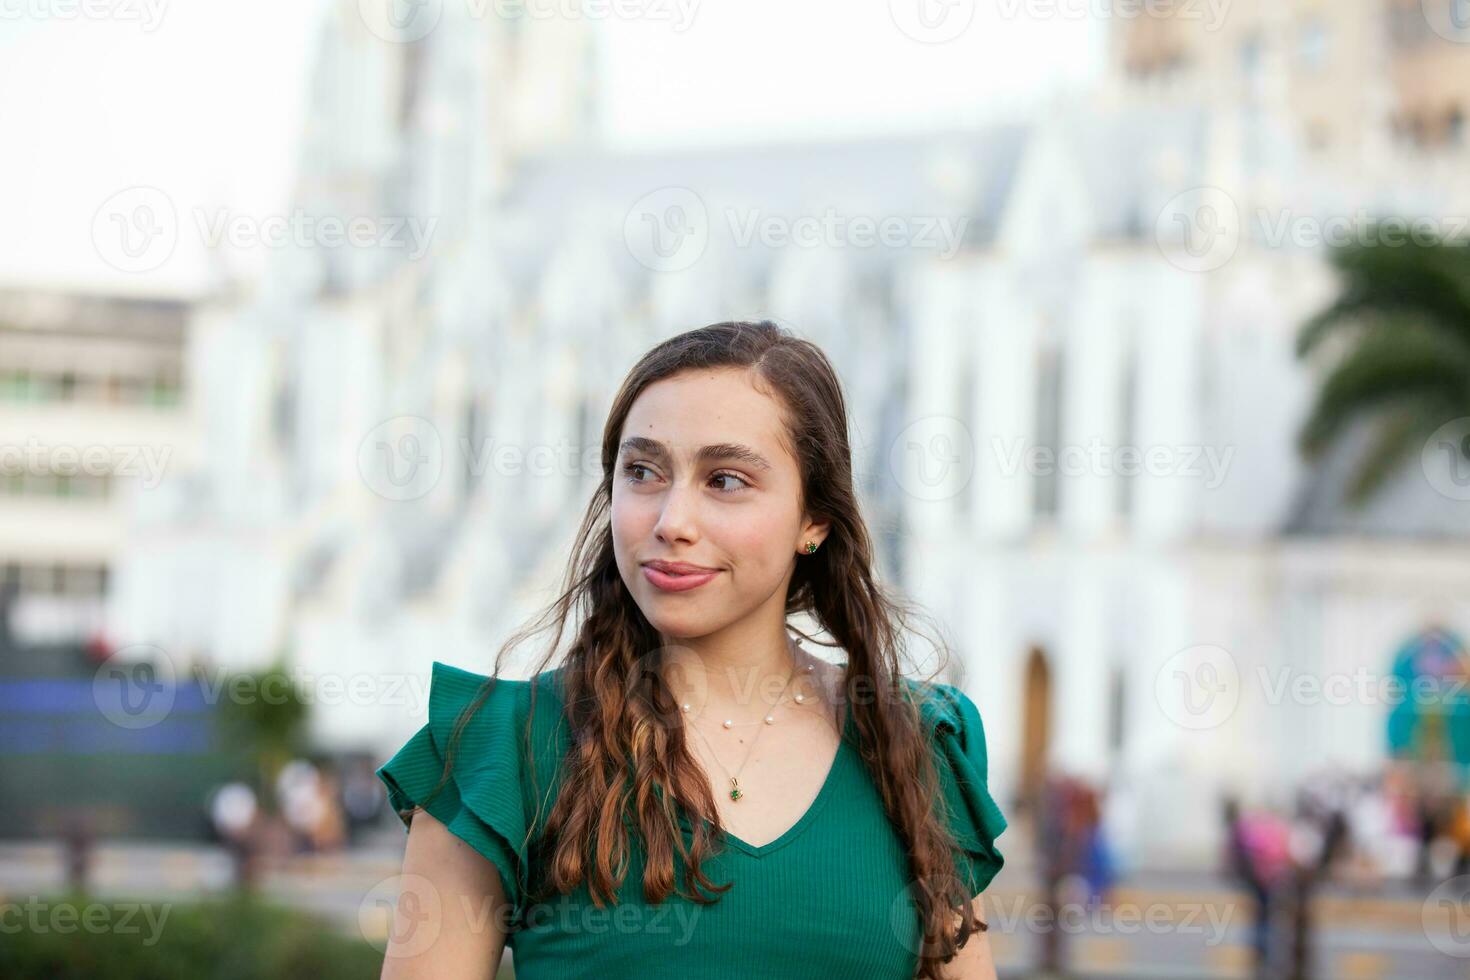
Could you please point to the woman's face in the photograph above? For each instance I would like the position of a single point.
(703, 477)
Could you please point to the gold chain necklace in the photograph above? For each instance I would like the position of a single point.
(735, 791)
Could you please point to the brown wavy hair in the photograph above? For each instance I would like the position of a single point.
(628, 757)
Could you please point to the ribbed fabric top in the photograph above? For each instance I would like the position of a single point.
(830, 897)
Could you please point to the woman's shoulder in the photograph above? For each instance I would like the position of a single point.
(459, 682)
(497, 767)
(452, 681)
(493, 712)
(953, 723)
(948, 713)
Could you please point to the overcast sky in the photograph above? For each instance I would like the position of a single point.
(204, 97)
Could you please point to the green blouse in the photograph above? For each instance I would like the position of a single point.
(829, 897)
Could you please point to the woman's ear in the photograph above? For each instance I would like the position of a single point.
(815, 532)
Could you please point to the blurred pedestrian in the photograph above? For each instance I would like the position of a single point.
(1258, 857)
(329, 830)
(1319, 838)
(1427, 827)
(233, 812)
(1458, 833)
(362, 797)
(1070, 847)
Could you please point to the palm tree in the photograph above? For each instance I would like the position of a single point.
(1403, 321)
(269, 723)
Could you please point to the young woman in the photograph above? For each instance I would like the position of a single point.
(690, 792)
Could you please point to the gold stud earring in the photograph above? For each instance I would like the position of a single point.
(811, 547)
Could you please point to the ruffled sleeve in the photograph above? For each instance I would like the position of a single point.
(485, 801)
(974, 818)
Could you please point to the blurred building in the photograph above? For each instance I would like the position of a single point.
(281, 541)
(1200, 628)
(92, 417)
(1042, 296)
(1351, 80)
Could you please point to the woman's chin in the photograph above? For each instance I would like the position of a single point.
(675, 629)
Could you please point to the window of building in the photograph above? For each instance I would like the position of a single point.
(1117, 711)
(1408, 23)
(1128, 429)
(1313, 45)
(37, 578)
(966, 414)
(1319, 135)
(1252, 77)
(1048, 428)
(475, 455)
(18, 482)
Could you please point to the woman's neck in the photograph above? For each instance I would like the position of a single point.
(720, 670)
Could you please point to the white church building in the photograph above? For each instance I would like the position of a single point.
(1074, 399)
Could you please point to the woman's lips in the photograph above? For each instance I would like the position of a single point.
(669, 582)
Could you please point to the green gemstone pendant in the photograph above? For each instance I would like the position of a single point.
(735, 793)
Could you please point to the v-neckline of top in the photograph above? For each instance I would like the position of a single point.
(828, 784)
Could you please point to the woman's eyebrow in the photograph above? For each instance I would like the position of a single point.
(720, 451)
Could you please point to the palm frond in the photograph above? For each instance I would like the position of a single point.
(1394, 361)
(1398, 435)
(1430, 282)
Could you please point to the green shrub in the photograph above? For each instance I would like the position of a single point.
(235, 938)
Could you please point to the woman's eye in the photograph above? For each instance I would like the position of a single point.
(632, 470)
(730, 476)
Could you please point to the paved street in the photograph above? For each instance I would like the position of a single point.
(1173, 924)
